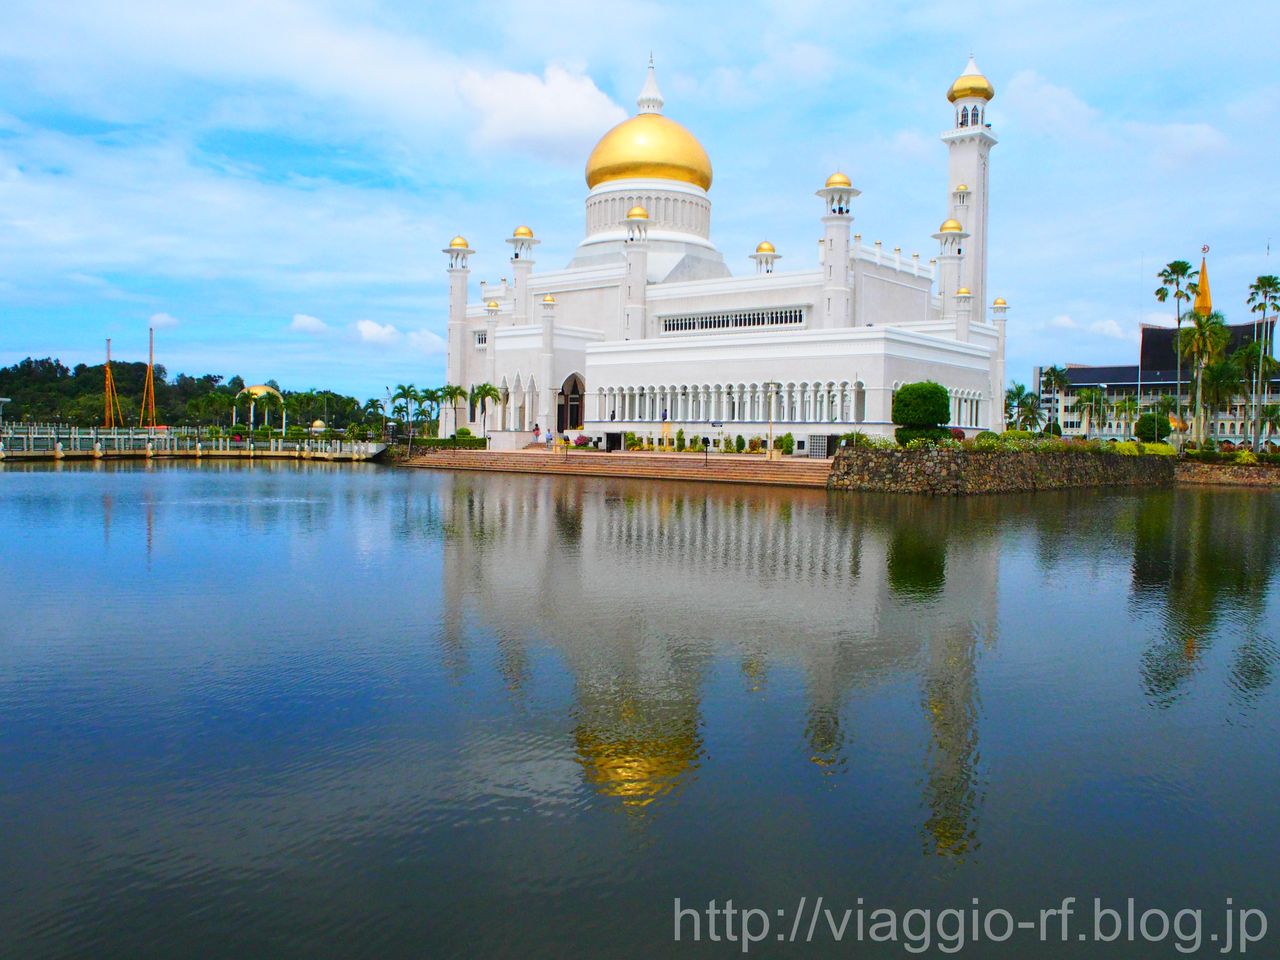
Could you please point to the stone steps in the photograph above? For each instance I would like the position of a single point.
(796, 472)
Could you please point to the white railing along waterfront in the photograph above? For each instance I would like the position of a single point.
(49, 438)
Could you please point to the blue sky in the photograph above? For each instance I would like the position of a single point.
(272, 181)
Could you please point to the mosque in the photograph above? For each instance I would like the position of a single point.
(647, 331)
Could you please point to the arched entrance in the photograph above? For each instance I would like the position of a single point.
(569, 404)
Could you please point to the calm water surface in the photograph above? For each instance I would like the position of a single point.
(335, 711)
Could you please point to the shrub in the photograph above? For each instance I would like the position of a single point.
(1159, 449)
(1052, 429)
(1245, 456)
(921, 405)
(957, 433)
(754, 445)
(1129, 448)
(582, 440)
(1018, 434)
(786, 443)
(462, 432)
(986, 436)
(918, 436)
(450, 443)
(739, 443)
(1151, 428)
(680, 440)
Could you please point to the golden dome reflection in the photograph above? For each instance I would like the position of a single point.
(637, 213)
(963, 292)
(549, 298)
(649, 146)
(1000, 302)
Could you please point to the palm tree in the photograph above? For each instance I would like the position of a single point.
(430, 398)
(1202, 343)
(1125, 409)
(1092, 404)
(451, 394)
(407, 394)
(1222, 380)
(481, 395)
(1013, 398)
(1264, 298)
(1271, 418)
(1028, 415)
(1177, 280)
(1055, 379)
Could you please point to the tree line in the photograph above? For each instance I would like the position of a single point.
(1217, 375)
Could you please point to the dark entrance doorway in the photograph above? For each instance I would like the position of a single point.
(569, 404)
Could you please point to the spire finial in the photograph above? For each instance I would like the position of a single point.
(650, 99)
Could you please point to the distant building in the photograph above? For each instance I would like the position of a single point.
(1155, 375)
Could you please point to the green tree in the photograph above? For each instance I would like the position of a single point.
(1203, 343)
(1177, 282)
(1093, 406)
(1013, 397)
(451, 394)
(1055, 380)
(482, 394)
(1222, 380)
(1264, 299)
(1028, 415)
(1125, 410)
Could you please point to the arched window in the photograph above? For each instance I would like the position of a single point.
(964, 116)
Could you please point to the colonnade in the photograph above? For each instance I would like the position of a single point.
(818, 402)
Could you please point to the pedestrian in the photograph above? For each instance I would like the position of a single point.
(551, 439)
(537, 433)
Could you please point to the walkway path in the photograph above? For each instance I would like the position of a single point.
(721, 468)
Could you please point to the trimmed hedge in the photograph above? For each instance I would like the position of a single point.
(921, 405)
(450, 443)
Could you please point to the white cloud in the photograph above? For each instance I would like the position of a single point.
(1110, 328)
(559, 113)
(1045, 107)
(304, 323)
(1064, 322)
(426, 342)
(373, 332)
(162, 321)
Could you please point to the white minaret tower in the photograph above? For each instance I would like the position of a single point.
(999, 308)
(455, 361)
(522, 243)
(548, 395)
(970, 143)
(636, 251)
(836, 308)
(950, 264)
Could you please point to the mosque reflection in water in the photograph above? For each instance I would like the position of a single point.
(845, 592)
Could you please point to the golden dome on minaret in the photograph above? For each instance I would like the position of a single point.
(637, 213)
(649, 146)
(765, 247)
(458, 243)
(523, 232)
(999, 302)
(971, 83)
(951, 225)
(839, 179)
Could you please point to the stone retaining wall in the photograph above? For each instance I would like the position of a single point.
(950, 472)
(1230, 474)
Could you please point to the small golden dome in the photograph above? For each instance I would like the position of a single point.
(649, 146)
(492, 304)
(951, 225)
(637, 213)
(765, 247)
(523, 232)
(963, 292)
(458, 243)
(971, 83)
(838, 179)
(999, 302)
(317, 424)
(548, 299)
(962, 188)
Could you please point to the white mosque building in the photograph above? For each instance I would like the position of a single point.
(647, 331)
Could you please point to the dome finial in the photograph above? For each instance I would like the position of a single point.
(650, 99)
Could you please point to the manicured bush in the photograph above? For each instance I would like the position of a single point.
(1052, 429)
(986, 436)
(680, 440)
(462, 432)
(582, 440)
(1151, 427)
(1159, 450)
(450, 443)
(906, 435)
(957, 433)
(740, 443)
(921, 405)
(1018, 434)
(786, 443)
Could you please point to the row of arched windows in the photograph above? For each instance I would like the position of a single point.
(681, 213)
(970, 117)
(829, 402)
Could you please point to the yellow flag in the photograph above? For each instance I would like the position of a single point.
(1204, 302)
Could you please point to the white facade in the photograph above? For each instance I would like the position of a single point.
(646, 330)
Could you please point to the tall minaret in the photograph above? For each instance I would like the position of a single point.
(970, 143)
(522, 243)
(836, 308)
(455, 361)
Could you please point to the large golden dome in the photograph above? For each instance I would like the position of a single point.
(649, 145)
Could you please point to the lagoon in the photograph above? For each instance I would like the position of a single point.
(330, 711)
